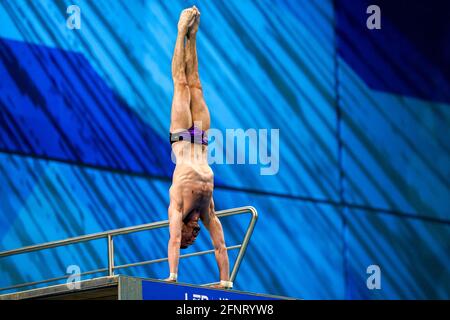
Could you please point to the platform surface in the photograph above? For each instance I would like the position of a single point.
(121, 287)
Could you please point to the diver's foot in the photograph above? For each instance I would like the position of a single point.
(187, 19)
(220, 286)
(169, 280)
(192, 30)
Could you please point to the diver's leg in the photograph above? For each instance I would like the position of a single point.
(181, 117)
(199, 109)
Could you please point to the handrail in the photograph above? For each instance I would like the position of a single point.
(122, 231)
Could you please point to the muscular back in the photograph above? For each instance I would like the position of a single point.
(193, 179)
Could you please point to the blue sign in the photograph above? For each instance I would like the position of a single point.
(152, 290)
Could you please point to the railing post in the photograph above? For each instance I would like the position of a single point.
(245, 242)
(110, 255)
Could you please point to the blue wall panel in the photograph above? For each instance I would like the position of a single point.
(304, 259)
(55, 105)
(62, 200)
(364, 155)
(408, 56)
(109, 76)
(396, 153)
(412, 256)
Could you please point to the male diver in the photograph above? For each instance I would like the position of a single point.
(191, 193)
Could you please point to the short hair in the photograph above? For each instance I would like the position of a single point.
(195, 231)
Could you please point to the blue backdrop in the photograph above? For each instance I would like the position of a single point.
(364, 121)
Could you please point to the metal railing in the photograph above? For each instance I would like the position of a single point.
(143, 227)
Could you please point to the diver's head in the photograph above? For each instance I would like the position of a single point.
(189, 230)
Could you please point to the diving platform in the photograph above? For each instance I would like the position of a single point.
(121, 287)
